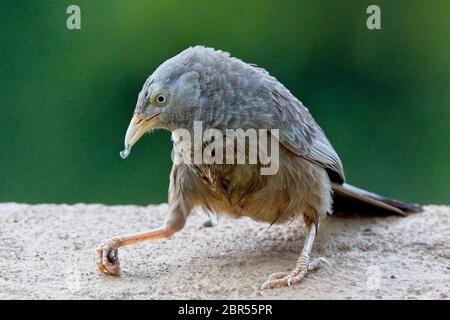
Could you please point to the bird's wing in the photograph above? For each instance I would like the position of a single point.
(299, 133)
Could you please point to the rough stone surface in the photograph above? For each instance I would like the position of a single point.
(48, 251)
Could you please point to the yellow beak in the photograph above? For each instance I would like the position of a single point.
(137, 128)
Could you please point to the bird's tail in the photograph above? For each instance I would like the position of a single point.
(350, 199)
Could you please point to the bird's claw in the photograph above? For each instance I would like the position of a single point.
(108, 258)
(283, 279)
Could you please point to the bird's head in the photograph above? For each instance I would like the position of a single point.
(171, 98)
(199, 84)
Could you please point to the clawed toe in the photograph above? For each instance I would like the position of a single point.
(286, 281)
(318, 263)
(277, 275)
(108, 260)
(283, 279)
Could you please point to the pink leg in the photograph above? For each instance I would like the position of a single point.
(107, 253)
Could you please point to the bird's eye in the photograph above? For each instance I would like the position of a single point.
(160, 99)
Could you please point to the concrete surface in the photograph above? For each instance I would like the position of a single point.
(48, 251)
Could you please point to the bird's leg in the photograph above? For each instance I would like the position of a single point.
(107, 253)
(304, 263)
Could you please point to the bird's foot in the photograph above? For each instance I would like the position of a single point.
(283, 279)
(108, 257)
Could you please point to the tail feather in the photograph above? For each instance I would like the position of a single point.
(350, 198)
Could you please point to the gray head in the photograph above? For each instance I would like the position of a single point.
(199, 84)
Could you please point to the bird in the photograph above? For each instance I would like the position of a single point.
(209, 86)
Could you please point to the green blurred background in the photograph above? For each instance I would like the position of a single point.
(382, 96)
